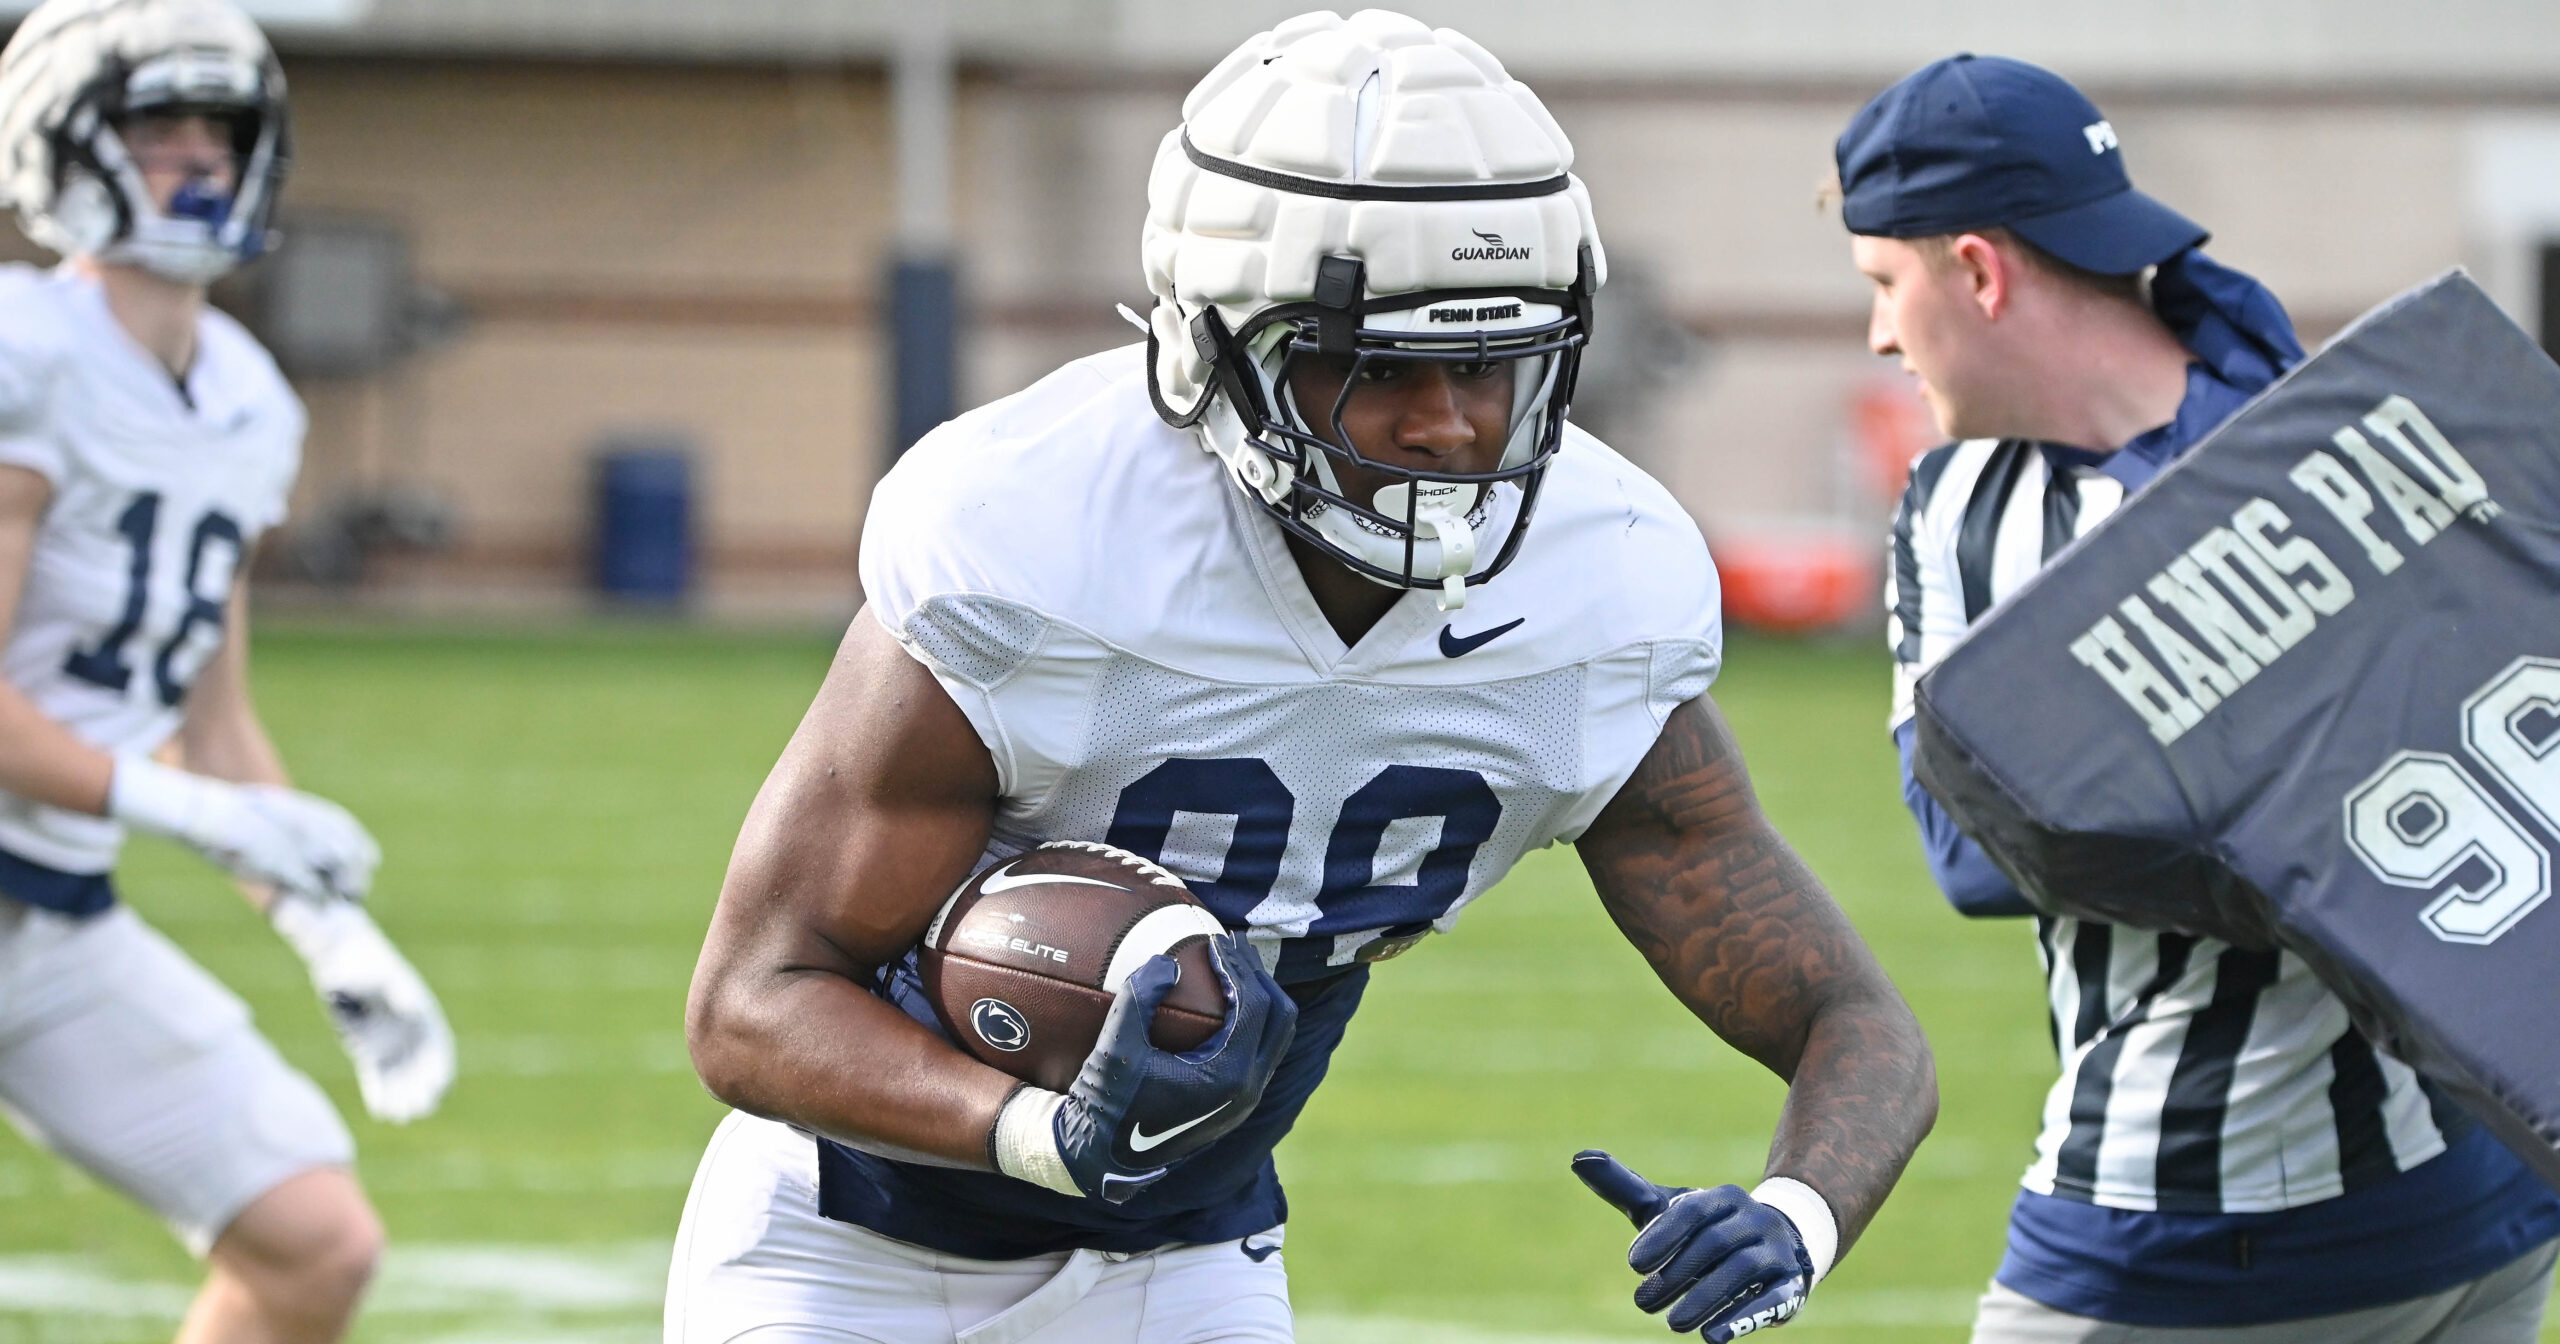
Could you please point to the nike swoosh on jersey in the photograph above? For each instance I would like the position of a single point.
(1453, 644)
(1256, 1254)
(1140, 1140)
(1005, 879)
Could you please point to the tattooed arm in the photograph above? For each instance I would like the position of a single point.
(1742, 932)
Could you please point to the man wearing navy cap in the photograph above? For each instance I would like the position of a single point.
(2224, 1157)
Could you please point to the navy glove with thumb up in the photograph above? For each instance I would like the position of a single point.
(1722, 1261)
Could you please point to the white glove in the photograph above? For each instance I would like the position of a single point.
(386, 1017)
(283, 837)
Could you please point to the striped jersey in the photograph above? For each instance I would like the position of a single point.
(2196, 1077)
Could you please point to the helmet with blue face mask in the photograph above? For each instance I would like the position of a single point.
(78, 72)
(1368, 192)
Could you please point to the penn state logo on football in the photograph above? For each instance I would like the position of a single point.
(1000, 1024)
(1018, 965)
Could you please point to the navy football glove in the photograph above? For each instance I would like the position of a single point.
(1724, 1263)
(1135, 1110)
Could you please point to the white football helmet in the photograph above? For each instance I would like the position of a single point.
(77, 69)
(1368, 189)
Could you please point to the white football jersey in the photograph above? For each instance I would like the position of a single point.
(1134, 643)
(159, 491)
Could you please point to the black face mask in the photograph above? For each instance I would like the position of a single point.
(1314, 443)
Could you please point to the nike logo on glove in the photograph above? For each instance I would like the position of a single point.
(1140, 1140)
(1118, 1188)
(1005, 879)
(1453, 644)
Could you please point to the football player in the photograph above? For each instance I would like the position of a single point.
(146, 441)
(2223, 1156)
(1318, 600)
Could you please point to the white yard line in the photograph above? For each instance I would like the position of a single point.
(538, 1334)
(449, 1279)
(1327, 1328)
(1869, 1310)
(463, 1278)
(497, 1293)
(72, 1286)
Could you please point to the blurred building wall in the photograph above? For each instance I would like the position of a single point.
(661, 215)
(632, 248)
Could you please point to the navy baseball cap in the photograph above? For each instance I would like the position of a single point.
(1970, 142)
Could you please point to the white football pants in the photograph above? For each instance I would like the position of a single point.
(755, 1261)
(120, 1053)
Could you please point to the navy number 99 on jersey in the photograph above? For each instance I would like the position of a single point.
(1357, 919)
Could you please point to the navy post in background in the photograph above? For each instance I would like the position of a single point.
(923, 285)
(2304, 691)
(924, 348)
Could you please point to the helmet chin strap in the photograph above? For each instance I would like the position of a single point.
(1222, 432)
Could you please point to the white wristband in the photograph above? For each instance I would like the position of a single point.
(1027, 1140)
(1804, 1206)
(153, 797)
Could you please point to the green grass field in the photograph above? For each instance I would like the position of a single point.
(557, 808)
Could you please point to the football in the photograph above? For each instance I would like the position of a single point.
(1022, 962)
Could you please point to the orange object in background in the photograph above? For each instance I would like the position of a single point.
(1825, 573)
(1799, 580)
(1890, 425)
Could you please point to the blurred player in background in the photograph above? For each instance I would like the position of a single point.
(1261, 600)
(145, 443)
(2223, 1156)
